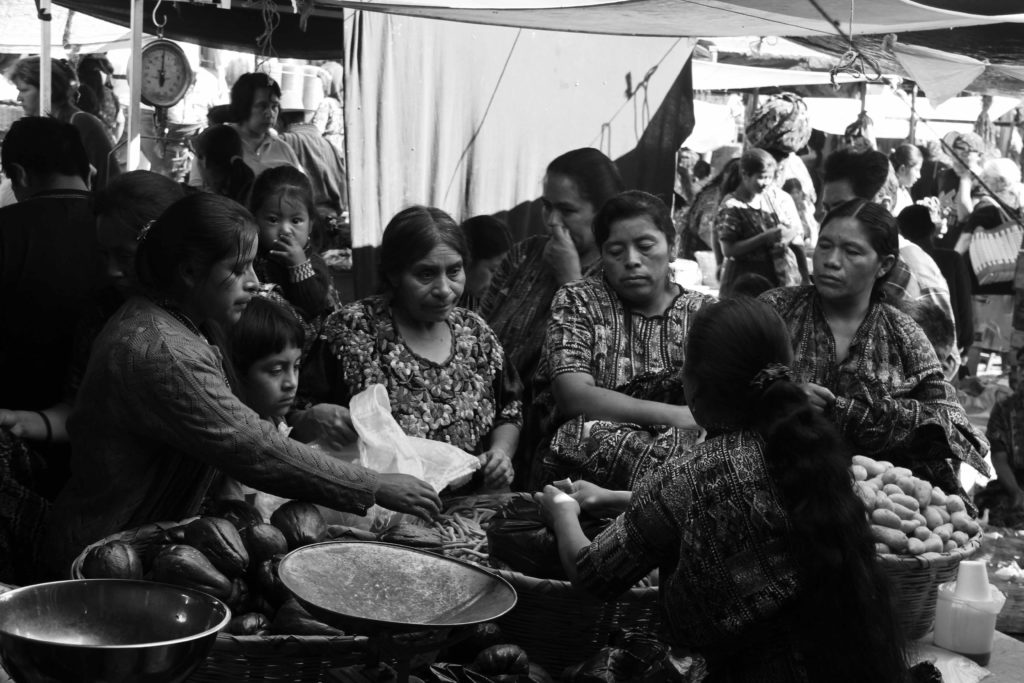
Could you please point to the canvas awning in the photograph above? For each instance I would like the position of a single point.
(321, 37)
(19, 30)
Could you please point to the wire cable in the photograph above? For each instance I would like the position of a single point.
(483, 119)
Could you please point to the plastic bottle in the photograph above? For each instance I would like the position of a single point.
(966, 611)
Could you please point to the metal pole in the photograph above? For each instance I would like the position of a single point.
(45, 77)
(913, 114)
(135, 87)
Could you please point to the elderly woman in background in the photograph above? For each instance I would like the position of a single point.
(444, 369)
(866, 365)
(614, 345)
(759, 228)
(63, 97)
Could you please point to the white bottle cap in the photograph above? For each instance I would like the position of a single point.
(972, 581)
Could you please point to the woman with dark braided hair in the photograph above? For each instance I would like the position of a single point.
(866, 366)
(767, 566)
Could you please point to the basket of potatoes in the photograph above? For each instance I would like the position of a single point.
(921, 535)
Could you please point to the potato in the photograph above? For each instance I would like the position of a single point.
(882, 502)
(915, 546)
(932, 518)
(894, 474)
(870, 465)
(908, 485)
(938, 496)
(960, 521)
(876, 482)
(859, 473)
(955, 504)
(933, 544)
(906, 501)
(923, 493)
(896, 540)
(885, 465)
(866, 494)
(923, 533)
(886, 518)
(882, 549)
(944, 531)
(907, 526)
(920, 519)
(892, 490)
(903, 512)
(961, 538)
(949, 545)
(944, 513)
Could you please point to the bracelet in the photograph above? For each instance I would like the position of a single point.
(301, 272)
(49, 427)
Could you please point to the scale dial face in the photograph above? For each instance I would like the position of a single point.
(166, 74)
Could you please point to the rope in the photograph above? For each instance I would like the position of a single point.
(853, 62)
(265, 40)
(483, 119)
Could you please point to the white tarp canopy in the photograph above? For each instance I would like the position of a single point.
(20, 30)
(674, 17)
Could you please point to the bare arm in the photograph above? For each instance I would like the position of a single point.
(745, 246)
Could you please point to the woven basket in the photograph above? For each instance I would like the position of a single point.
(559, 625)
(916, 579)
(295, 659)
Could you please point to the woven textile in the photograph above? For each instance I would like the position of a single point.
(890, 391)
(716, 530)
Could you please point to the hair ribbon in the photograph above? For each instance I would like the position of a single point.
(769, 375)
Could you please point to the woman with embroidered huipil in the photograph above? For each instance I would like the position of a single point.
(614, 345)
(864, 364)
(445, 371)
(766, 562)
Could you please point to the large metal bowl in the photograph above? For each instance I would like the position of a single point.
(381, 587)
(107, 630)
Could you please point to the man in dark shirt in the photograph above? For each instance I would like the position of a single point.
(49, 259)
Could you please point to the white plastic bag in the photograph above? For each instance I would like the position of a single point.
(384, 447)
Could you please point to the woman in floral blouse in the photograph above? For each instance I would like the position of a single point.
(866, 365)
(614, 345)
(445, 371)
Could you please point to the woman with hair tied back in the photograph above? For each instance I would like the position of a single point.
(445, 371)
(219, 161)
(156, 419)
(867, 366)
(63, 97)
(766, 561)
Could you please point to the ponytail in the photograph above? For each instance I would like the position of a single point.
(846, 609)
(239, 181)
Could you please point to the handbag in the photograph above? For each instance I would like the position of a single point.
(993, 252)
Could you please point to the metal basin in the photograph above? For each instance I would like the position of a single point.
(107, 631)
(375, 587)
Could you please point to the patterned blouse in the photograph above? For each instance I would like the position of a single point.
(518, 302)
(714, 527)
(592, 332)
(459, 401)
(890, 391)
(1006, 430)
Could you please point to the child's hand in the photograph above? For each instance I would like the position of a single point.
(286, 250)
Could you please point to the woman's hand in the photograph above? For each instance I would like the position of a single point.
(821, 399)
(561, 256)
(555, 504)
(497, 469)
(15, 421)
(406, 493)
(773, 235)
(595, 500)
(326, 423)
(287, 251)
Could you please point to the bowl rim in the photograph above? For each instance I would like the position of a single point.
(213, 630)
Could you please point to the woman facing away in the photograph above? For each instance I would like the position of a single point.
(156, 419)
(867, 366)
(766, 562)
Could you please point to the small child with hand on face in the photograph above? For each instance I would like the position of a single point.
(282, 203)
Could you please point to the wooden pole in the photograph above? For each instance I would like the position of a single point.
(135, 87)
(45, 75)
